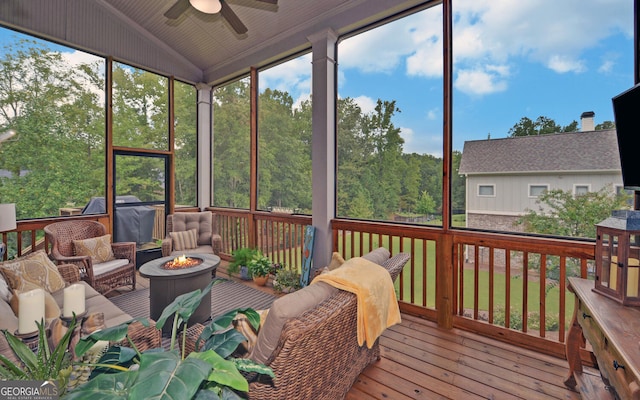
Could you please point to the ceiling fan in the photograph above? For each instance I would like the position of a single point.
(211, 7)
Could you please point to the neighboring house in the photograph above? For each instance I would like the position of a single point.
(504, 177)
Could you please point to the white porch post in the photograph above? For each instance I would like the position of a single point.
(205, 137)
(323, 142)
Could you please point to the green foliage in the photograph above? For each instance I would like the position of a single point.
(186, 143)
(564, 214)
(169, 374)
(605, 125)
(58, 157)
(533, 320)
(46, 364)
(426, 204)
(260, 265)
(231, 144)
(241, 257)
(286, 280)
(541, 126)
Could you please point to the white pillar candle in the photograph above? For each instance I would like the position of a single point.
(30, 310)
(73, 300)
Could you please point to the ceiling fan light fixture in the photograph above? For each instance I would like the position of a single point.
(207, 6)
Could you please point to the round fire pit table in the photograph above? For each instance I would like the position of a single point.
(167, 284)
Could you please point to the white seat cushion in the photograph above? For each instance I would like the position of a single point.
(103, 268)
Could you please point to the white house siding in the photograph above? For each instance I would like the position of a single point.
(511, 200)
(511, 196)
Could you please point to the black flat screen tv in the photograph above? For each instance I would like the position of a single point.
(626, 111)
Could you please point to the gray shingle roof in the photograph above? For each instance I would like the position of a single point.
(575, 151)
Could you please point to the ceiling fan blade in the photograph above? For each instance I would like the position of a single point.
(177, 9)
(232, 18)
(269, 1)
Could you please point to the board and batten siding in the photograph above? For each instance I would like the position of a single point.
(511, 192)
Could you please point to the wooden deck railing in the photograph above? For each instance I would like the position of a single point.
(509, 287)
(279, 236)
(513, 288)
(29, 234)
(506, 284)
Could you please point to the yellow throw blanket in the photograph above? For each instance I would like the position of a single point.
(377, 303)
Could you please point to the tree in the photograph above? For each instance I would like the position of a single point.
(572, 127)
(58, 152)
(426, 205)
(186, 143)
(562, 213)
(458, 184)
(541, 126)
(605, 125)
(384, 163)
(231, 144)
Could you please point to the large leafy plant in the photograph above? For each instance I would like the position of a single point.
(210, 373)
(45, 364)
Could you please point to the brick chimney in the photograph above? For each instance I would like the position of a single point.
(586, 121)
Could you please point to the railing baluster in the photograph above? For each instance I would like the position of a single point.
(542, 293)
(491, 282)
(507, 289)
(525, 289)
(563, 299)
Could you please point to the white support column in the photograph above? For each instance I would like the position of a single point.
(205, 139)
(323, 142)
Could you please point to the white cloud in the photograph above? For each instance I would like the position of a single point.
(433, 115)
(76, 58)
(378, 50)
(407, 134)
(489, 33)
(421, 143)
(500, 29)
(367, 104)
(293, 76)
(480, 82)
(606, 66)
(562, 64)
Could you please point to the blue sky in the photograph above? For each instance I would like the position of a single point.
(512, 58)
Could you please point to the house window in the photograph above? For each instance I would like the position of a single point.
(580, 190)
(537, 190)
(486, 190)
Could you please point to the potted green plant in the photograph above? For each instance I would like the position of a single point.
(212, 372)
(260, 267)
(286, 281)
(46, 364)
(240, 261)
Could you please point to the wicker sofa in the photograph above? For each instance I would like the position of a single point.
(144, 337)
(317, 354)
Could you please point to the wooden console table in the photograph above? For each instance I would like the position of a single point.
(613, 330)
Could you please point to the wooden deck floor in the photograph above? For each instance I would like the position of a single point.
(421, 361)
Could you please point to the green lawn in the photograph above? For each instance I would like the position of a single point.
(516, 292)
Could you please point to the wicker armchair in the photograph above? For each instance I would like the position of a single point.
(209, 241)
(317, 355)
(104, 277)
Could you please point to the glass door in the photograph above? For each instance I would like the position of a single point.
(141, 197)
